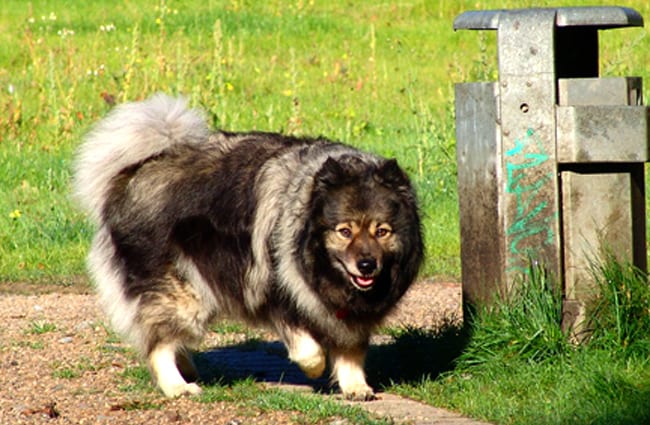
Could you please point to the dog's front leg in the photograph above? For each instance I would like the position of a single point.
(347, 369)
(305, 351)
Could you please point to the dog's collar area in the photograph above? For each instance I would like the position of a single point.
(342, 313)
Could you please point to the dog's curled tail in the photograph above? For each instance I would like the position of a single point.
(130, 134)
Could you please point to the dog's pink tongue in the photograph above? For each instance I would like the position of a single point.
(364, 282)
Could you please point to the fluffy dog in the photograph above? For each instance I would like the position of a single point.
(309, 237)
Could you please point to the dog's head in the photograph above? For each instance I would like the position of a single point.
(369, 222)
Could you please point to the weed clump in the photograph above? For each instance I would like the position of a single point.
(524, 324)
(620, 312)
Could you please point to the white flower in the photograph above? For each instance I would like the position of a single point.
(107, 28)
(64, 32)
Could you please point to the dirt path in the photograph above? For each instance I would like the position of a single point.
(59, 360)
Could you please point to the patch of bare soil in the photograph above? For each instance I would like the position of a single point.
(61, 364)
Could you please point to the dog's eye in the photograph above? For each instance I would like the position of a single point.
(345, 232)
(382, 232)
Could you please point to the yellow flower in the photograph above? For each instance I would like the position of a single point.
(15, 214)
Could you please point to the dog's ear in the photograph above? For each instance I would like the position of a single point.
(339, 171)
(331, 173)
(390, 174)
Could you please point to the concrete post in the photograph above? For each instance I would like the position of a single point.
(550, 157)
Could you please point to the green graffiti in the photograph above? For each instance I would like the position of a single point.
(533, 215)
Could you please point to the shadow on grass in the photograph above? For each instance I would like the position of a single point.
(414, 355)
(411, 356)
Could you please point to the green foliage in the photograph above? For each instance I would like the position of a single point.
(40, 327)
(359, 74)
(66, 373)
(224, 327)
(75, 370)
(377, 76)
(137, 379)
(519, 368)
(620, 315)
(525, 324)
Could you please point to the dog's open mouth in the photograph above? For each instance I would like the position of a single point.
(362, 283)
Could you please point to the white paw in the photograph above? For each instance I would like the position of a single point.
(348, 371)
(178, 390)
(358, 392)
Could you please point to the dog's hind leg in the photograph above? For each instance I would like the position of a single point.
(166, 373)
(172, 318)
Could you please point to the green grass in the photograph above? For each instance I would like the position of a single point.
(355, 74)
(621, 311)
(311, 408)
(377, 75)
(518, 367)
(40, 327)
(252, 397)
(74, 370)
(525, 325)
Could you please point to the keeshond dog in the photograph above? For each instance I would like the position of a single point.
(311, 238)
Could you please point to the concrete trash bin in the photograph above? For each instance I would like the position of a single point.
(550, 157)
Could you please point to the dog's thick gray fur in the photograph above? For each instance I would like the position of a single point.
(312, 238)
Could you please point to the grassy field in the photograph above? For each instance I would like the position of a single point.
(378, 75)
(361, 75)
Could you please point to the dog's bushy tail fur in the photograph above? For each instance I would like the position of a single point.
(131, 133)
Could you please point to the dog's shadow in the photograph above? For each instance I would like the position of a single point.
(409, 356)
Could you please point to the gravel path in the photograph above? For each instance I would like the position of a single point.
(59, 360)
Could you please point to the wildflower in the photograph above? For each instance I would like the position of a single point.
(52, 17)
(64, 33)
(96, 72)
(107, 28)
(15, 214)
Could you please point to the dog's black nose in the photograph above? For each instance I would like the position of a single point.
(367, 265)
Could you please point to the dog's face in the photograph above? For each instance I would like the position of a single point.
(362, 218)
(358, 248)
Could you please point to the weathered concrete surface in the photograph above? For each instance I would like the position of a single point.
(403, 410)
